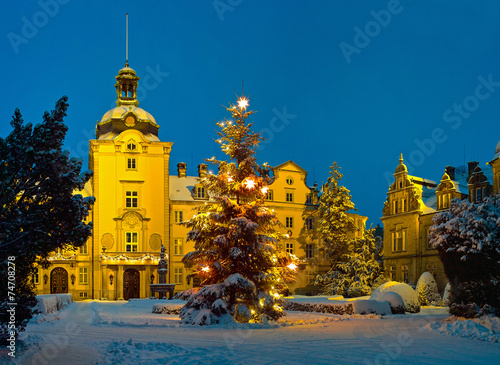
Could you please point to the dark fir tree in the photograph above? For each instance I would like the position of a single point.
(238, 257)
(39, 212)
(467, 237)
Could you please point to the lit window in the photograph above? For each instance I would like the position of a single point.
(309, 251)
(200, 192)
(289, 180)
(270, 195)
(35, 279)
(178, 246)
(131, 147)
(289, 222)
(289, 247)
(83, 249)
(131, 163)
(289, 197)
(131, 241)
(84, 275)
(131, 199)
(178, 216)
(178, 275)
(309, 223)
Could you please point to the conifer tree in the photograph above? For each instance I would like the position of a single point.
(238, 256)
(334, 224)
(354, 275)
(39, 211)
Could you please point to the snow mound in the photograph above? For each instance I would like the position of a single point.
(427, 290)
(52, 303)
(325, 304)
(410, 296)
(396, 303)
(486, 328)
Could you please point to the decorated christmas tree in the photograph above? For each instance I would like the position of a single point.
(238, 258)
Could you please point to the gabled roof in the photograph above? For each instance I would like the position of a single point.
(288, 163)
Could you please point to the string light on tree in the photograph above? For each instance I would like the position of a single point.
(238, 249)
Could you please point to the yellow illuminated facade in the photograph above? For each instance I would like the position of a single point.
(139, 207)
(411, 204)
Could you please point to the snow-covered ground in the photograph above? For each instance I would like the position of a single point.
(95, 332)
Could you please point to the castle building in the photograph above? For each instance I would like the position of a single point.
(139, 207)
(410, 206)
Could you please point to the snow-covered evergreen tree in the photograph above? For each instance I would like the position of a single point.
(238, 256)
(467, 237)
(334, 224)
(354, 275)
(427, 290)
(38, 211)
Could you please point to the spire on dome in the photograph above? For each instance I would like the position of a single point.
(401, 167)
(126, 87)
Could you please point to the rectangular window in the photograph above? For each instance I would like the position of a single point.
(200, 192)
(395, 207)
(404, 272)
(270, 195)
(35, 279)
(131, 164)
(309, 199)
(84, 275)
(131, 241)
(392, 273)
(289, 222)
(404, 205)
(399, 240)
(83, 249)
(479, 194)
(178, 275)
(309, 251)
(178, 216)
(429, 246)
(309, 223)
(178, 246)
(289, 197)
(83, 294)
(131, 199)
(289, 247)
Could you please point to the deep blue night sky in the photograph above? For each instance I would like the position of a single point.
(431, 70)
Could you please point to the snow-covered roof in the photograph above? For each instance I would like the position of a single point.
(181, 187)
(429, 199)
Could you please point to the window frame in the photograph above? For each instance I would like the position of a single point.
(289, 222)
(178, 216)
(83, 275)
(131, 199)
(178, 275)
(289, 196)
(131, 163)
(178, 248)
(131, 243)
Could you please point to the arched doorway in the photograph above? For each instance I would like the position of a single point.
(58, 281)
(131, 284)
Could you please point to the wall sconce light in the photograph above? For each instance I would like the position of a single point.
(152, 278)
(111, 277)
(73, 277)
(45, 279)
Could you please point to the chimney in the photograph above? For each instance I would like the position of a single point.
(181, 169)
(472, 165)
(450, 170)
(202, 170)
